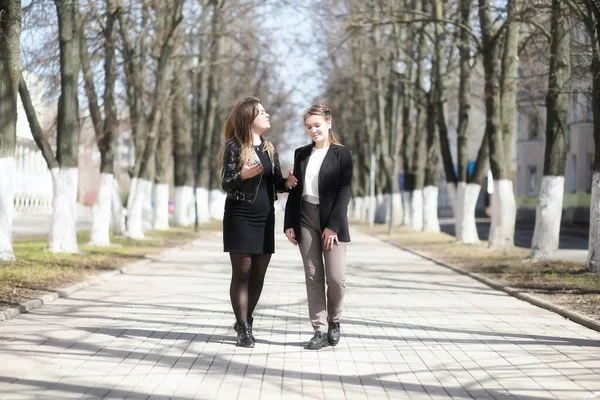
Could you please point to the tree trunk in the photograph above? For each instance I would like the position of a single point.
(431, 222)
(408, 141)
(206, 111)
(10, 71)
(466, 193)
(499, 119)
(593, 260)
(550, 198)
(183, 144)
(105, 129)
(420, 157)
(63, 235)
(143, 190)
(161, 179)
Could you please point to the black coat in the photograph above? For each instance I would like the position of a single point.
(335, 178)
(231, 175)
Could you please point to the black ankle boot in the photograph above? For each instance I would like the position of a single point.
(333, 333)
(318, 341)
(244, 339)
(250, 321)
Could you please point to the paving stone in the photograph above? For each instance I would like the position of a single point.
(411, 329)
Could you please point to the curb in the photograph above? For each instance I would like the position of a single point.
(32, 304)
(569, 314)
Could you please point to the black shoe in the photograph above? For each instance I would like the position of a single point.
(333, 333)
(318, 341)
(250, 321)
(244, 339)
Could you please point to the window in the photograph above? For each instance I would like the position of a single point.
(532, 188)
(588, 112)
(573, 174)
(533, 125)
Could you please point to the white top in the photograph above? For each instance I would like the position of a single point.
(310, 192)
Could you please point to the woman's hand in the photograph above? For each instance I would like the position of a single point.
(291, 236)
(329, 239)
(292, 181)
(251, 170)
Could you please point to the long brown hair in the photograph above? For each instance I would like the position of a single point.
(238, 128)
(325, 112)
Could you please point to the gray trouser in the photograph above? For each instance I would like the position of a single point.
(318, 265)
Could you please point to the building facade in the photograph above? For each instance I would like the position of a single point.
(579, 161)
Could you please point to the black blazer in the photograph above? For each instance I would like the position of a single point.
(335, 178)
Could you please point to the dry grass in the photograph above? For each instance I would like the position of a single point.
(564, 283)
(37, 271)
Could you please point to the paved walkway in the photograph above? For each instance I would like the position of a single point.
(411, 330)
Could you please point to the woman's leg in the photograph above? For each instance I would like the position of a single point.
(238, 290)
(335, 269)
(312, 257)
(260, 262)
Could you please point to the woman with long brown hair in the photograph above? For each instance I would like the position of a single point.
(251, 176)
(316, 219)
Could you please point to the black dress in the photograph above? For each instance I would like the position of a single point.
(249, 228)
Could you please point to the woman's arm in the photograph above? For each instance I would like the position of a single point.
(279, 180)
(339, 211)
(231, 174)
(293, 200)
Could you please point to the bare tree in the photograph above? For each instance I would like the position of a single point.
(550, 197)
(588, 12)
(500, 92)
(105, 123)
(10, 71)
(168, 17)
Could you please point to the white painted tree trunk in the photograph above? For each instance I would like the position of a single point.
(459, 209)
(203, 205)
(132, 192)
(147, 209)
(63, 230)
(183, 206)
(382, 208)
(134, 210)
(593, 261)
(217, 204)
(118, 215)
(416, 210)
(469, 203)
(7, 191)
(101, 212)
(452, 191)
(398, 209)
(357, 209)
(431, 222)
(161, 206)
(504, 213)
(366, 209)
(407, 202)
(548, 215)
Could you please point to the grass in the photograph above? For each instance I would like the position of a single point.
(564, 283)
(37, 271)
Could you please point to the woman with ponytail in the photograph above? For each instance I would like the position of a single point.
(316, 219)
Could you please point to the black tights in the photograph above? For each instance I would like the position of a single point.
(247, 278)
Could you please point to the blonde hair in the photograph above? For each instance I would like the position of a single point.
(238, 128)
(323, 111)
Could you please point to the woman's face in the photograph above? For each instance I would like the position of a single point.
(317, 129)
(261, 123)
